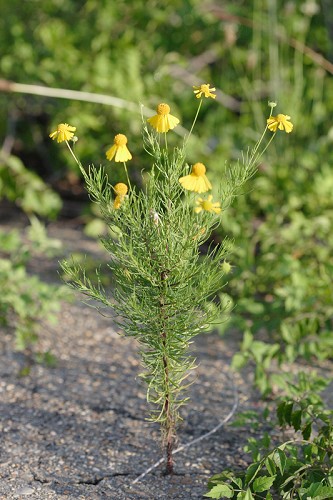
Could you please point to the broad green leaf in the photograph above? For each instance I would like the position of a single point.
(306, 431)
(318, 492)
(248, 495)
(280, 460)
(270, 466)
(239, 360)
(296, 419)
(247, 340)
(245, 495)
(220, 491)
(263, 483)
(288, 412)
(252, 471)
(237, 481)
(280, 412)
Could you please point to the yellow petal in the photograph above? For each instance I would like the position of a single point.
(272, 124)
(117, 202)
(194, 183)
(122, 154)
(205, 183)
(288, 126)
(172, 121)
(163, 123)
(189, 182)
(216, 208)
(154, 121)
(111, 152)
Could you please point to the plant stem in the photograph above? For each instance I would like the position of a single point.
(169, 421)
(168, 418)
(194, 121)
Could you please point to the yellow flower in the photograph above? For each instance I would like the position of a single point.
(119, 149)
(205, 90)
(280, 122)
(64, 132)
(117, 202)
(163, 121)
(207, 205)
(196, 180)
(121, 190)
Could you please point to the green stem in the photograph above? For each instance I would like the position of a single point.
(255, 159)
(126, 172)
(73, 154)
(194, 122)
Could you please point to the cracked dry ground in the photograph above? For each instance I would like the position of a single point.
(78, 431)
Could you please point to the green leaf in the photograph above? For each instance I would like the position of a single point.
(280, 460)
(239, 360)
(288, 412)
(252, 471)
(270, 466)
(247, 340)
(296, 419)
(263, 483)
(237, 481)
(220, 491)
(248, 495)
(318, 492)
(280, 412)
(307, 430)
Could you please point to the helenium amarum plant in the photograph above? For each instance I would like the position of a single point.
(164, 288)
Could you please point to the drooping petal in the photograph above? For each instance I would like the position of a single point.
(122, 154)
(172, 121)
(163, 121)
(194, 183)
(111, 152)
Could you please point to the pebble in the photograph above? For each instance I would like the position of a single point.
(26, 490)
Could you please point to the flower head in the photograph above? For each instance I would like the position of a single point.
(205, 90)
(117, 202)
(120, 189)
(63, 133)
(280, 122)
(196, 180)
(119, 149)
(207, 205)
(163, 121)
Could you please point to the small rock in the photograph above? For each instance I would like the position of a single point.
(26, 490)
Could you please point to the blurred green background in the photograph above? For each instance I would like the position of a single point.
(150, 52)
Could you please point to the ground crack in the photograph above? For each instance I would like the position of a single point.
(93, 481)
(40, 480)
(96, 480)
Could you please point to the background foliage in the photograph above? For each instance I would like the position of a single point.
(151, 52)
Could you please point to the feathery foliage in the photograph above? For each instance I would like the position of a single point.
(164, 288)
